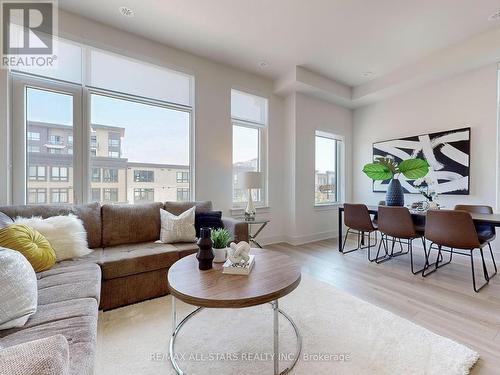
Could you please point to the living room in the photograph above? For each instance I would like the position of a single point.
(347, 152)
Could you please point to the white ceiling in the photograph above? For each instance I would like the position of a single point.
(339, 39)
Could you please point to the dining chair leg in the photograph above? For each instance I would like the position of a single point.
(386, 257)
(476, 289)
(429, 265)
(493, 260)
(359, 235)
(449, 260)
(411, 257)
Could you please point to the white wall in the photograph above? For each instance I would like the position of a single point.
(307, 222)
(213, 129)
(469, 99)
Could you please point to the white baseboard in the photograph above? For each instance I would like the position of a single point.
(297, 240)
(303, 239)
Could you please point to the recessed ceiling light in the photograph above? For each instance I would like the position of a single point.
(495, 16)
(367, 74)
(126, 11)
(263, 64)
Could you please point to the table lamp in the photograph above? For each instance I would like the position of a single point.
(250, 180)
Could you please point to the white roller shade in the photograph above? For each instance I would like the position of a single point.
(113, 72)
(248, 107)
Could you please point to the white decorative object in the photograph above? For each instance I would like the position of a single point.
(18, 289)
(239, 252)
(65, 233)
(242, 268)
(177, 228)
(220, 255)
(250, 180)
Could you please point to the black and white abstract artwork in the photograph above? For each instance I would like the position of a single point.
(447, 152)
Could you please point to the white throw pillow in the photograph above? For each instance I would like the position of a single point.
(177, 228)
(18, 289)
(66, 234)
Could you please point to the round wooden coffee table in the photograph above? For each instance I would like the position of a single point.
(273, 276)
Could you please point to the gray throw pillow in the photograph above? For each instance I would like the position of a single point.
(19, 299)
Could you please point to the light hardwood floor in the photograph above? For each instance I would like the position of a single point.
(444, 302)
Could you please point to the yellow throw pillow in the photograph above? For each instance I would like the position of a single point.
(30, 243)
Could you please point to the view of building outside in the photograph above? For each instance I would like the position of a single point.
(325, 179)
(325, 187)
(138, 152)
(113, 179)
(245, 159)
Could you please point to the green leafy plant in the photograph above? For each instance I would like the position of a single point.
(220, 238)
(386, 168)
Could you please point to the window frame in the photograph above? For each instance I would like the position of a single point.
(20, 82)
(143, 192)
(110, 191)
(182, 179)
(138, 173)
(340, 168)
(37, 176)
(182, 190)
(59, 191)
(36, 191)
(59, 178)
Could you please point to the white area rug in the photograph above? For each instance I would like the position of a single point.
(341, 335)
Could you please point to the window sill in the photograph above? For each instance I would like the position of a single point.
(327, 206)
(240, 211)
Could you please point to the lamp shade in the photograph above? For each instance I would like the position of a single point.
(250, 180)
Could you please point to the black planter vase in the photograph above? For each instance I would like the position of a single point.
(395, 194)
(205, 254)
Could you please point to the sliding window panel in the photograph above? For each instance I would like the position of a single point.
(47, 142)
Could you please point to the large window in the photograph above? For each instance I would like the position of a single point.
(249, 118)
(140, 120)
(327, 170)
(145, 142)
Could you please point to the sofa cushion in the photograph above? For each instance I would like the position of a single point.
(178, 208)
(90, 214)
(47, 356)
(125, 260)
(80, 332)
(186, 248)
(130, 223)
(72, 283)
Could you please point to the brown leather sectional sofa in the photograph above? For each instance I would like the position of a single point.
(126, 266)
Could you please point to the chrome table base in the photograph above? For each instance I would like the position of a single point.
(276, 311)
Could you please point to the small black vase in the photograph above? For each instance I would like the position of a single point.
(395, 194)
(205, 254)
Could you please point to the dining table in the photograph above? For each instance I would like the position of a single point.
(490, 219)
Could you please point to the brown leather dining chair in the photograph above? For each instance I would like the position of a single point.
(454, 229)
(396, 225)
(357, 219)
